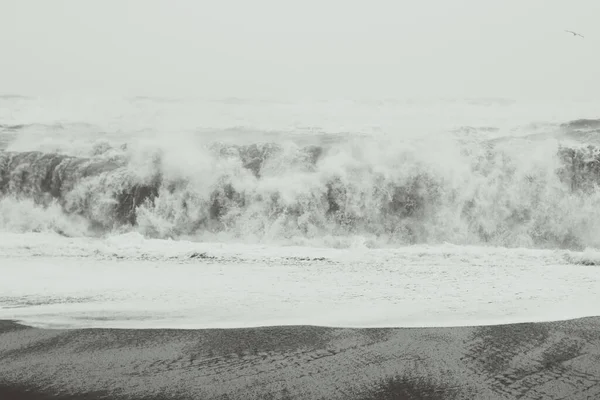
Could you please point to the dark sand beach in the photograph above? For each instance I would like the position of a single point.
(555, 360)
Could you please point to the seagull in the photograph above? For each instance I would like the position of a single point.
(575, 33)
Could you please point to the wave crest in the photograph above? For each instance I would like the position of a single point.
(509, 194)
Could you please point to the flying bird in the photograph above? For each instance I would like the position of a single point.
(574, 33)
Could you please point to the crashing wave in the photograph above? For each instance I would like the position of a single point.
(270, 191)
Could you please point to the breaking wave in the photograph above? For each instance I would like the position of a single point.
(514, 192)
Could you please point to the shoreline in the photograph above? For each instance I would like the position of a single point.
(416, 287)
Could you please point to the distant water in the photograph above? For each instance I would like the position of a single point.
(323, 173)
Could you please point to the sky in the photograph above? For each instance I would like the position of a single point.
(308, 48)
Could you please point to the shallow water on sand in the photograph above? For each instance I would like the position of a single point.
(58, 282)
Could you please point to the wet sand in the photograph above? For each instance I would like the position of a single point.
(554, 360)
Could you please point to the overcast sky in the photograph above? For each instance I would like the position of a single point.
(323, 48)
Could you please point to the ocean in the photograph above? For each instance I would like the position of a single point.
(204, 212)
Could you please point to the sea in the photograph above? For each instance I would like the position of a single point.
(200, 212)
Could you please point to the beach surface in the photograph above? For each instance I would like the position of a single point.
(553, 360)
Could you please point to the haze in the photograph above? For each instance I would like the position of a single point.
(316, 48)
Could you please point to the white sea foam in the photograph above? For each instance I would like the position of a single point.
(414, 214)
(129, 281)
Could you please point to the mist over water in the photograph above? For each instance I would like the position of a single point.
(312, 172)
